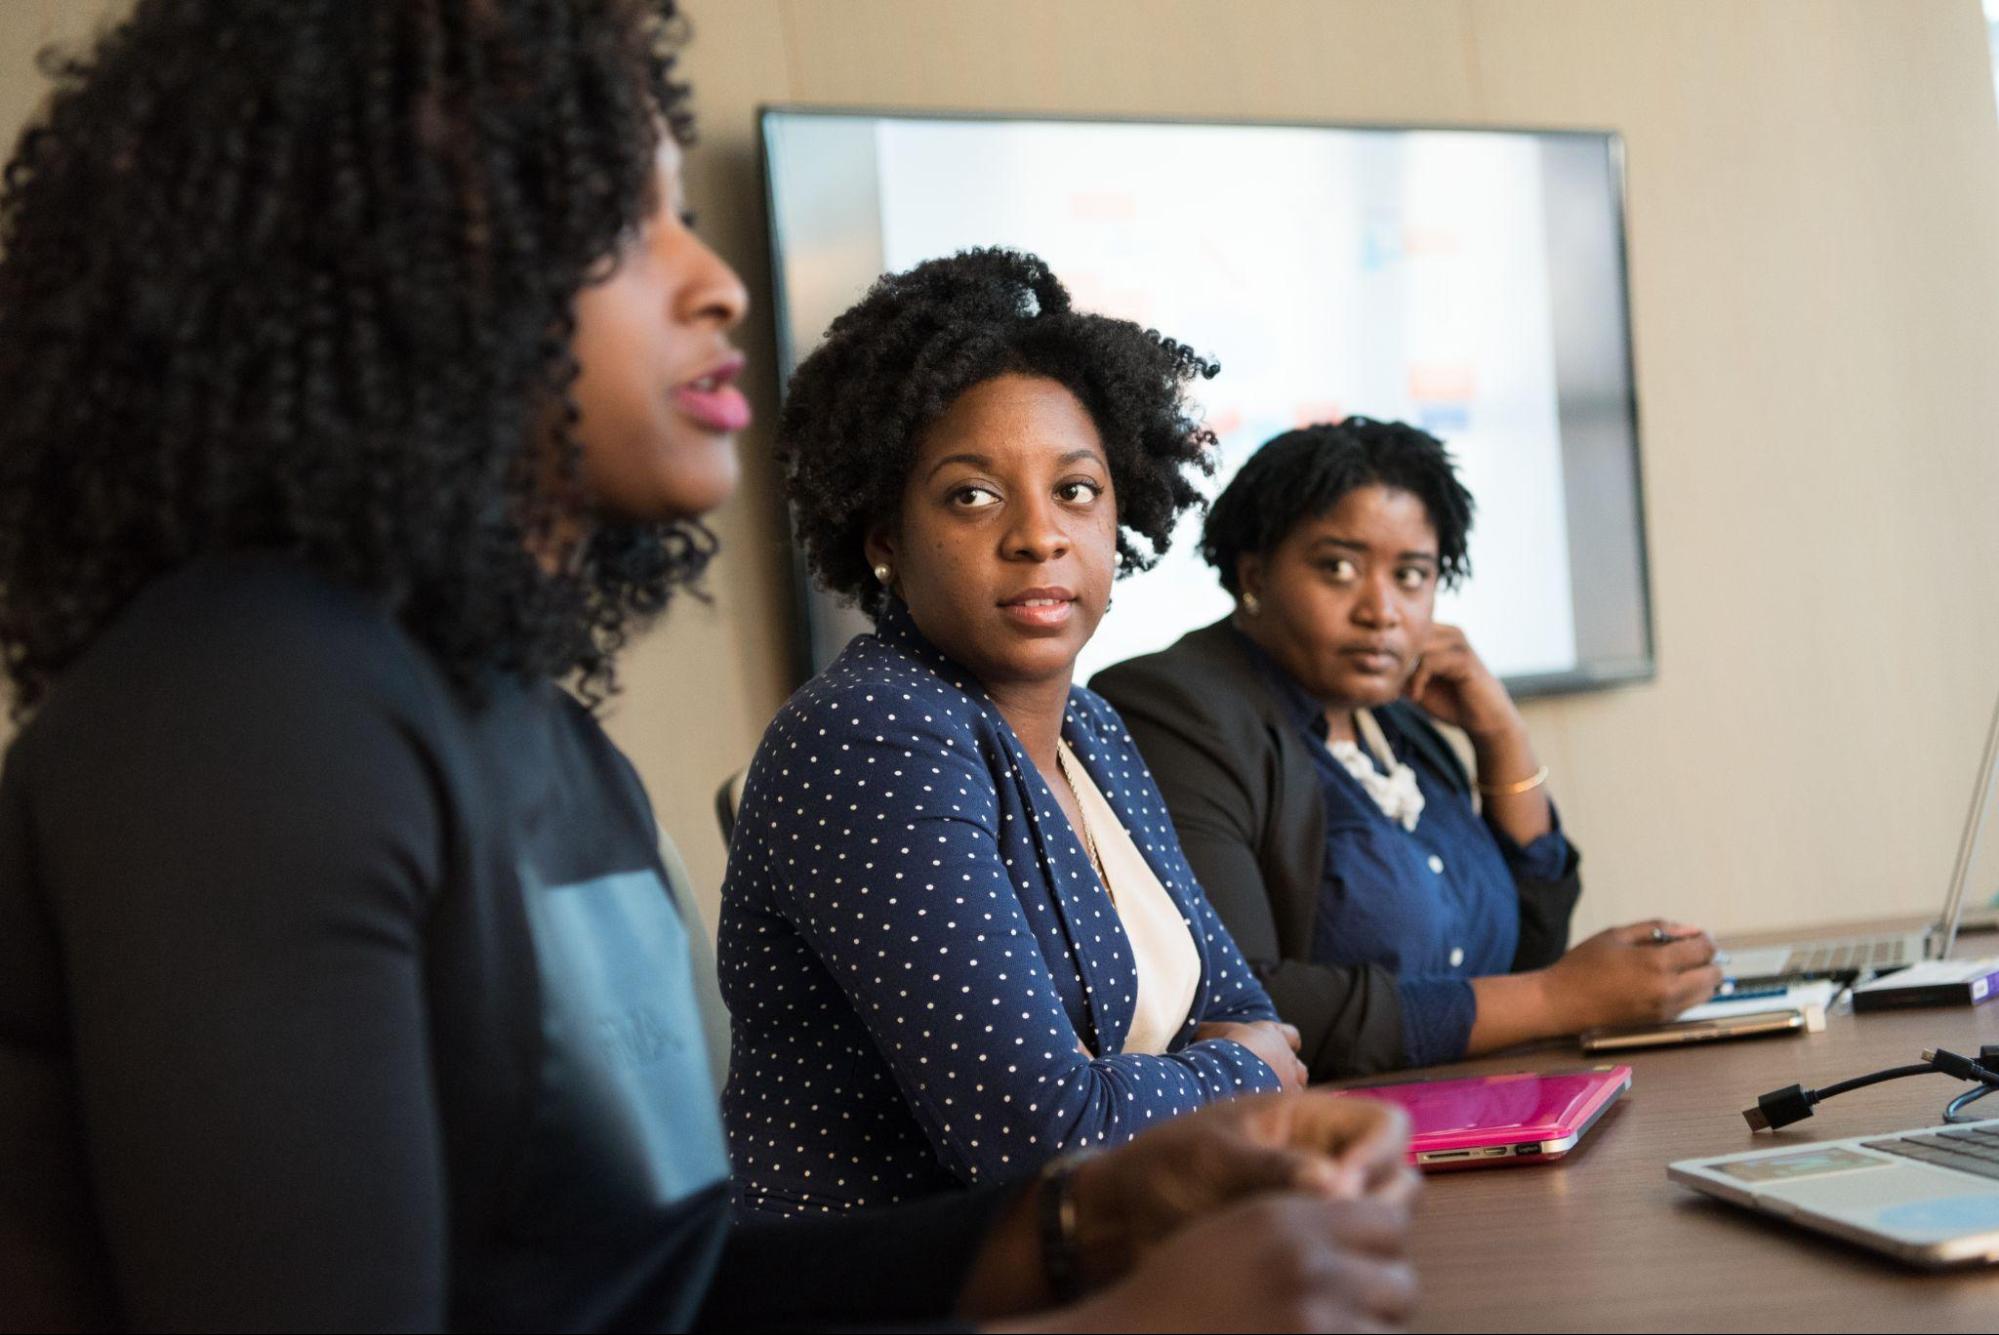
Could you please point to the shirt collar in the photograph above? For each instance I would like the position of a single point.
(895, 626)
(1303, 712)
(1299, 708)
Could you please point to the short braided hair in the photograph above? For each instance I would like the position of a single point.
(1303, 474)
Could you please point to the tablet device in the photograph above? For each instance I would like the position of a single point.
(1488, 1121)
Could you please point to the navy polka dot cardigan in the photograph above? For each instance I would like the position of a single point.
(913, 942)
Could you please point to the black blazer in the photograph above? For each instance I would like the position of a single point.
(1245, 799)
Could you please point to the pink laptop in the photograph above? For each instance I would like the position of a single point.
(1488, 1120)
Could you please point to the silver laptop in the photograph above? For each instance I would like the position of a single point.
(1929, 1197)
(1846, 959)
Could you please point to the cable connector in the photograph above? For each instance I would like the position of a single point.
(1950, 1063)
(1780, 1107)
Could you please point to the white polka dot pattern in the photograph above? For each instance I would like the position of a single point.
(913, 944)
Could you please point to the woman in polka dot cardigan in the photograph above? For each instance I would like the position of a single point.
(958, 933)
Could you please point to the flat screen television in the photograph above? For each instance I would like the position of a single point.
(1469, 281)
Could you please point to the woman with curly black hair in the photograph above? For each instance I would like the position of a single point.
(958, 934)
(364, 379)
(1397, 918)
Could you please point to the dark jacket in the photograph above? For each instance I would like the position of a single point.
(1246, 801)
(330, 1000)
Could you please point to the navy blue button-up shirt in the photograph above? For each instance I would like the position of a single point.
(1437, 905)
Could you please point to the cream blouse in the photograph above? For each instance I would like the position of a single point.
(1162, 944)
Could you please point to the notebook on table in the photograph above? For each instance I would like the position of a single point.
(1793, 1010)
(1931, 983)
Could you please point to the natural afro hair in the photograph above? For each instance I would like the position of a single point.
(296, 276)
(1303, 474)
(892, 364)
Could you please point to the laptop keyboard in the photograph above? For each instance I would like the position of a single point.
(1842, 961)
(1847, 957)
(1971, 1149)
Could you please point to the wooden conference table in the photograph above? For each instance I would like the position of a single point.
(1601, 1241)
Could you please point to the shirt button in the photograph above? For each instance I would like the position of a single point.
(1457, 956)
(1436, 864)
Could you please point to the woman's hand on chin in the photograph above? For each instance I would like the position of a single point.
(1453, 685)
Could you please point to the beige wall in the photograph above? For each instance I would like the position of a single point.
(1814, 246)
(25, 26)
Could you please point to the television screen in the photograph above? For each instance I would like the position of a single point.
(1470, 282)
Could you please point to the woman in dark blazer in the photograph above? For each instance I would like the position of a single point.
(958, 935)
(1395, 920)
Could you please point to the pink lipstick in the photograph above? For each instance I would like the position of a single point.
(712, 398)
(1041, 609)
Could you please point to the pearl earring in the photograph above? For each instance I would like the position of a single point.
(881, 575)
(1251, 604)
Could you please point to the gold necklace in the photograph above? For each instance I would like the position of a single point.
(1083, 819)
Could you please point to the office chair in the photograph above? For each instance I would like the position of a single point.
(727, 798)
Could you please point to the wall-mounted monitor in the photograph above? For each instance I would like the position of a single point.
(1471, 282)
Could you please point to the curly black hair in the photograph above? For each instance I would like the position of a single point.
(297, 276)
(1305, 473)
(893, 363)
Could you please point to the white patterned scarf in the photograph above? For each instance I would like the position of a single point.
(1395, 791)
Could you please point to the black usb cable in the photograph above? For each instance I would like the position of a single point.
(1781, 1107)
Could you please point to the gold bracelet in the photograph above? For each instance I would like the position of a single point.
(1515, 789)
